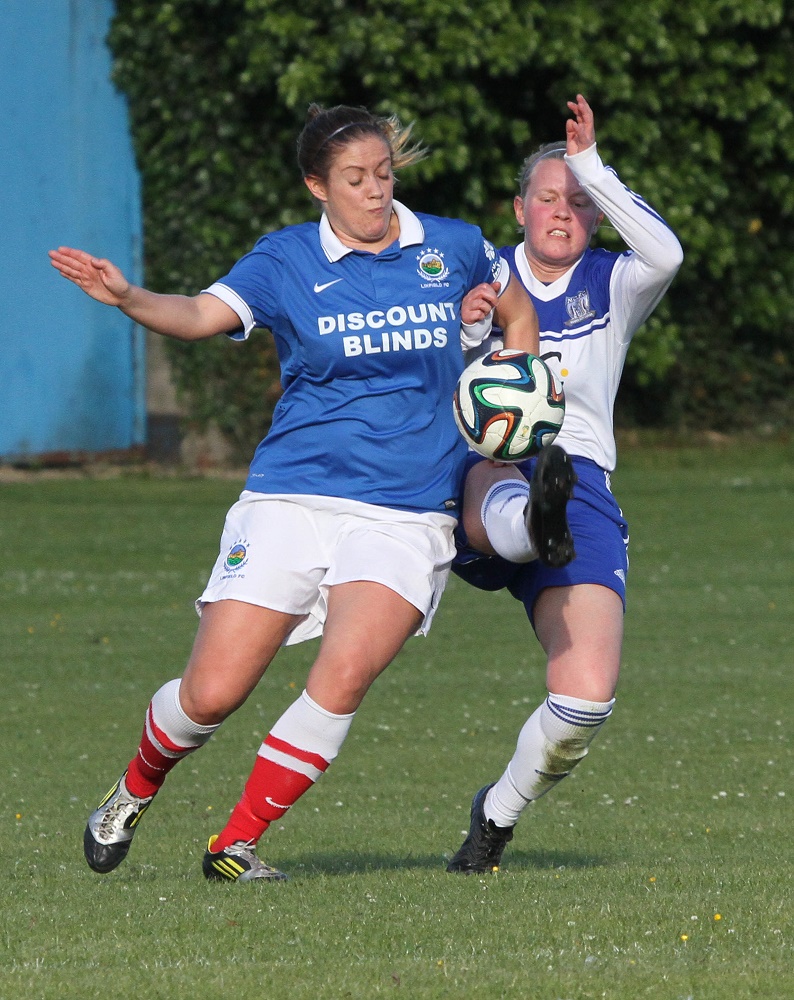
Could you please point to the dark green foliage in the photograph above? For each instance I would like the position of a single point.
(693, 105)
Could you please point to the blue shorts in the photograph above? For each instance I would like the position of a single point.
(600, 534)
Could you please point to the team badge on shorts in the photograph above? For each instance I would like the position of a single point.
(237, 556)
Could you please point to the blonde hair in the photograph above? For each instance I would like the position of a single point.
(548, 151)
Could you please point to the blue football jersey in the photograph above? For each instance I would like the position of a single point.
(370, 352)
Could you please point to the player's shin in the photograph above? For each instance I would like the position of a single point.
(296, 752)
(168, 736)
(552, 742)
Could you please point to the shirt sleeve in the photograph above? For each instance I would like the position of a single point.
(642, 276)
(473, 334)
(238, 304)
(252, 289)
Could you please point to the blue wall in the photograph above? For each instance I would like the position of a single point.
(72, 371)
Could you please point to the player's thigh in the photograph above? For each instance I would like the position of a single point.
(581, 631)
(366, 626)
(234, 645)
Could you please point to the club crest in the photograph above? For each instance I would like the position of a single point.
(578, 308)
(237, 556)
(431, 266)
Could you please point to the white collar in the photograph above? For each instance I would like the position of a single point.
(537, 287)
(411, 232)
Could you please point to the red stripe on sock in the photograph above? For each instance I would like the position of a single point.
(161, 737)
(148, 768)
(308, 758)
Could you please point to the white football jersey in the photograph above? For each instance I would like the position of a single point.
(589, 314)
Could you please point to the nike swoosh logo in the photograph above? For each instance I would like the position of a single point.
(321, 288)
(270, 802)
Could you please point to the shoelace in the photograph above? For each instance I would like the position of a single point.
(116, 812)
(244, 849)
(247, 851)
(241, 847)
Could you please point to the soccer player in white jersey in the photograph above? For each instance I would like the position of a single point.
(590, 303)
(345, 527)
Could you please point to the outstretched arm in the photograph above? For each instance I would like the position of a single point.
(180, 316)
(641, 278)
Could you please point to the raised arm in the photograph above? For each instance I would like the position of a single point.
(180, 316)
(579, 130)
(640, 279)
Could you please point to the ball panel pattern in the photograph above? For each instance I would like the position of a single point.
(507, 406)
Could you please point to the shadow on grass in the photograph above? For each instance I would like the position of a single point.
(357, 863)
(341, 864)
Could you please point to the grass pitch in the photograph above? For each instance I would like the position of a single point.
(661, 868)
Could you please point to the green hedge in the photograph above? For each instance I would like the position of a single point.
(693, 105)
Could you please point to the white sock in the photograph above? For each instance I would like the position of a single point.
(552, 742)
(307, 725)
(168, 714)
(502, 513)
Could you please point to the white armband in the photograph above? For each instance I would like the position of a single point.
(472, 334)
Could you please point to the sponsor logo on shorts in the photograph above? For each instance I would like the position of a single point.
(237, 556)
(621, 576)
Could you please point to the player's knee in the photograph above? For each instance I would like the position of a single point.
(209, 703)
(342, 689)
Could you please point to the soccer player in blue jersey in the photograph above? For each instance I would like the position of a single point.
(569, 569)
(345, 526)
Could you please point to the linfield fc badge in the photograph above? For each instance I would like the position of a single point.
(431, 266)
(578, 308)
(237, 556)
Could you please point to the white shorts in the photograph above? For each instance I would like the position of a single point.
(284, 551)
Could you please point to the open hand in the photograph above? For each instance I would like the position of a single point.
(579, 130)
(99, 278)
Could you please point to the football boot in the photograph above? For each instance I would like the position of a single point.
(111, 826)
(237, 863)
(482, 849)
(550, 489)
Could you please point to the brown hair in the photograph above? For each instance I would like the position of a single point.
(328, 130)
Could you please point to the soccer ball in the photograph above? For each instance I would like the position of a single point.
(507, 406)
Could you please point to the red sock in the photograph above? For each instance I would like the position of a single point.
(281, 774)
(156, 756)
(168, 736)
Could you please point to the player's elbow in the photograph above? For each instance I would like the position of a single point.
(670, 258)
(675, 257)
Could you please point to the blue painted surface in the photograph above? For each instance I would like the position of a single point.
(72, 371)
